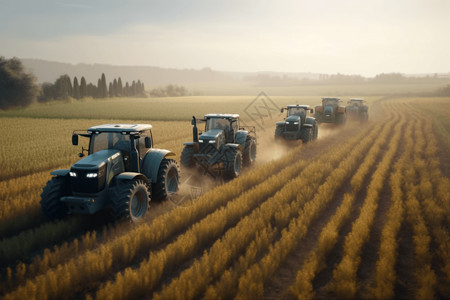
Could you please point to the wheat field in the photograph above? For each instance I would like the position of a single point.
(362, 212)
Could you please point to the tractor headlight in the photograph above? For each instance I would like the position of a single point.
(295, 123)
(91, 175)
(72, 174)
(200, 141)
(211, 141)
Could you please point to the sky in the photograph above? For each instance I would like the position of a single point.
(359, 37)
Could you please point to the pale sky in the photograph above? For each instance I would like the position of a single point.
(320, 36)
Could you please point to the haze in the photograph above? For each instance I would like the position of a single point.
(324, 36)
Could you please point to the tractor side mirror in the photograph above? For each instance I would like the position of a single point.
(311, 110)
(148, 142)
(282, 110)
(75, 139)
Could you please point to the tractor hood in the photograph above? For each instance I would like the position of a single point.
(96, 160)
(212, 134)
(328, 110)
(293, 118)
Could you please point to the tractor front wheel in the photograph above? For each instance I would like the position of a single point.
(129, 199)
(249, 156)
(187, 157)
(307, 134)
(51, 204)
(233, 163)
(168, 180)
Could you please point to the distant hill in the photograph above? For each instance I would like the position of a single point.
(48, 71)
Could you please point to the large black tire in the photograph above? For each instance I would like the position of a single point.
(129, 199)
(307, 134)
(279, 132)
(249, 155)
(51, 204)
(233, 163)
(315, 130)
(168, 180)
(187, 157)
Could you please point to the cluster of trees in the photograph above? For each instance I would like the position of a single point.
(170, 90)
(17, 87)
(63, 89)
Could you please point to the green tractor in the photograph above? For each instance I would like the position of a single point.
(331, 111)
(298, 124)
(223, 149)
(357, 109)
(121, 173)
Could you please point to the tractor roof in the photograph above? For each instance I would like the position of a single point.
(298, 105)
(121, 127)
(357, 99)
(228, 116)
(331, 98)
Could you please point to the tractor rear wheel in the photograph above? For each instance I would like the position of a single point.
(187, 157)
(249, 155)
(129, 199)
(168, 179)
(233, 163)
(51, 204)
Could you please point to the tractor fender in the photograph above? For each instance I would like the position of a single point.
(280, 123)
(152, 160)
(309, 122)
(60, 172)
(131, 176)
(241, 136)
(341, 109)
(192, 144)
(318, 109)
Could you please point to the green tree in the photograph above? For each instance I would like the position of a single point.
(119, 87)
(83, 88)
(104, 89)
(63, 87)
(17, 87)
(76, 88)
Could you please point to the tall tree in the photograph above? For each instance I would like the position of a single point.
(17, 87)
(83, 88)
(99, 88)
(76, 88)
(119, 87)
(104, 89)
(63, 87)
(115, 88)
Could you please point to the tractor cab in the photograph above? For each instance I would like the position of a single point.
(356, 102)
(132, 140)
(297, 113)
(220, 128)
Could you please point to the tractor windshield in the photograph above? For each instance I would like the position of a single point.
(299, 111)
(217, 123)
(331, 102)
(109, 140)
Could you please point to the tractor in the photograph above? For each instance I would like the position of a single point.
(120, 174)
(330, 111)
(223, 149)
(298, 124)
(357, 110)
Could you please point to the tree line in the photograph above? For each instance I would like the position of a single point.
(64, 87)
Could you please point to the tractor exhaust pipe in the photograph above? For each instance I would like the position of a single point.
(194, 129)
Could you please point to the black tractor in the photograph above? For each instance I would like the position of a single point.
(120, 174)
(298, 124)
(331, 111)
(223, 149)
(357, 110)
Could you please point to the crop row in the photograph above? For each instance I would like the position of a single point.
(303, 286)
(124, 249)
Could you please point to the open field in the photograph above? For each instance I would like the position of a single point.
(363, 212)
